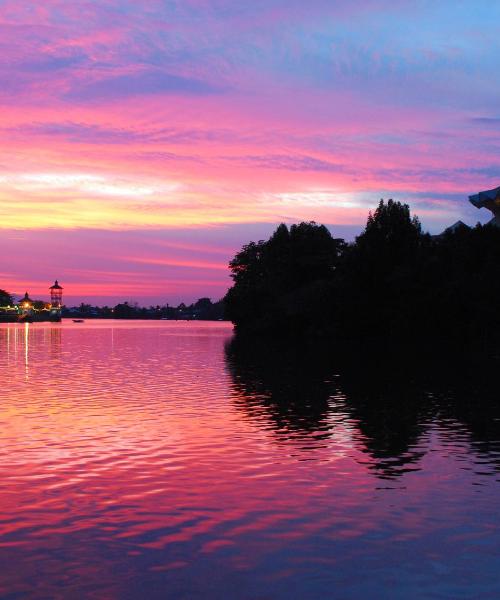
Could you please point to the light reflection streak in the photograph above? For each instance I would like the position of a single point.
(26, 349)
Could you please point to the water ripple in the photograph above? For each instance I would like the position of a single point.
(158, 460)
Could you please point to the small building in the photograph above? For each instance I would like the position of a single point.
(26, 303)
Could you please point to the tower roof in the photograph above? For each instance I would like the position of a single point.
(56, 286)
(26, 298)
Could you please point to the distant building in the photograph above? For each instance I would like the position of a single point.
(489, 199)
(28, 310)
(56, 295)
(456, 226)
(26, 303)
(452, 229)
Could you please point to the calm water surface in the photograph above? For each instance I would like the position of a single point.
(162, 460)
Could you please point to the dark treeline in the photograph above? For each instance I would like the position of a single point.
(203, 309)
(393, 281)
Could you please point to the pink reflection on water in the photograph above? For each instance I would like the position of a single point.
(133, 456)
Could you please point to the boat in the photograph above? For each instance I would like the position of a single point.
(78, 321)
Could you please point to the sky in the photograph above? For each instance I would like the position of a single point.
(144, 142)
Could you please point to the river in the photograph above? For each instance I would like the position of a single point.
(164, 460)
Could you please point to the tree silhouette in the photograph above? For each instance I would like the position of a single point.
(284, 282)
(6, 299)
(381, 275)
(394, 282)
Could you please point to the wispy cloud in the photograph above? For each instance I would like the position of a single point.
(193, 115)
(145, 83)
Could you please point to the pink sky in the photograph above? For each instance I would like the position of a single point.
(144, 142)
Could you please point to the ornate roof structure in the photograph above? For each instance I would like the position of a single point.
(26, 299)
(489, 199)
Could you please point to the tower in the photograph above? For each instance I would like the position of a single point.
(56, 295)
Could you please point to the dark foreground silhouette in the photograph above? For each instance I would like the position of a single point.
(393, 283)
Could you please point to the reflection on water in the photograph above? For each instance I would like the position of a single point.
(167, 460)
(288, 390)
(391, 409)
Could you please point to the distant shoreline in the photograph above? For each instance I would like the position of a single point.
(106, 319)
(94, 318)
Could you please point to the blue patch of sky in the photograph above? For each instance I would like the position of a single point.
(413, 54)
(47, 63)
(143, 83)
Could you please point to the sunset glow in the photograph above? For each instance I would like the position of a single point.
(144, 142)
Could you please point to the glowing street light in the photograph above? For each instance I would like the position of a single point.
(26, 302)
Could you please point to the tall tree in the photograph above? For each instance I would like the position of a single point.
(392, 234)
(277, 282)
(382, 271)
